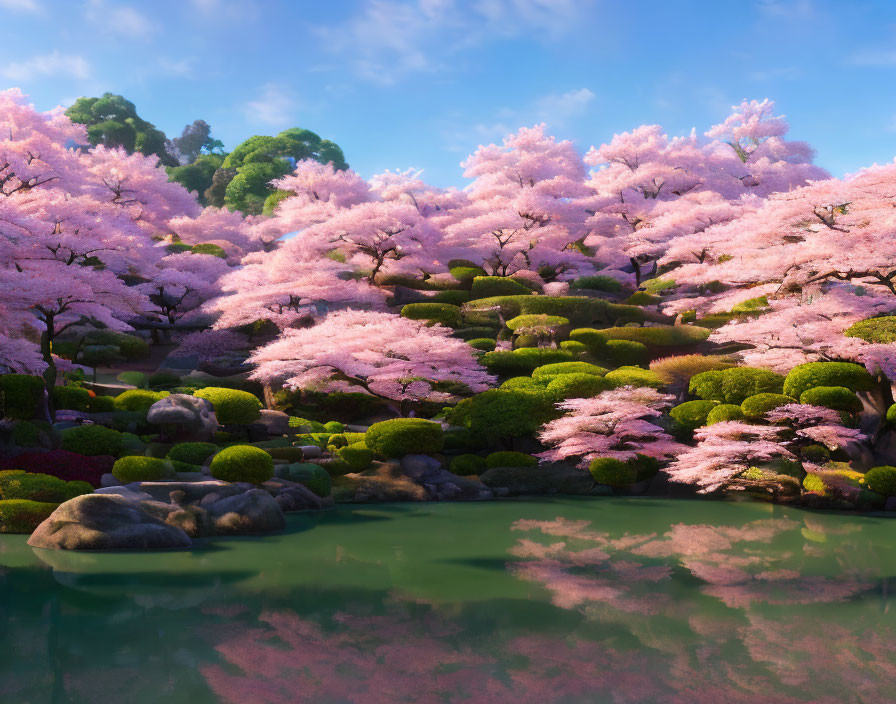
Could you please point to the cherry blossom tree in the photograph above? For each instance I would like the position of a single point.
(228, 229)
(381, 354)
(613, 424)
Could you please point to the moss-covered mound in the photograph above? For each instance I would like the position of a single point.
(404, 436)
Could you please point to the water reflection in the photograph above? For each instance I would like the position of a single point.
(565, 601)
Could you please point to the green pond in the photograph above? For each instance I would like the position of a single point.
(568, 600)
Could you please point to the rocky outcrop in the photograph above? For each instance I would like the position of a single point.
(184, 418)
(274, 422)
(546, 478)
(383, 482)
(440, 484)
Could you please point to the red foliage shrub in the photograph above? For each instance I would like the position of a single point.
(68, 466)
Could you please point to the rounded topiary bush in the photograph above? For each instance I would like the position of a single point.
(356, 455)
(598, 282)
(71, 398)
(138, 400)
(483, 344)
(736, 384)
(880, 330)
(613, 472)
(23, 516)
(724, 412)
(312, 476)
(642, 298)
(838, 398)
(18, 484)
(333, 426)
(622, 352)
(510, 459)
(526, 383)
(565, 386)
(209, 248)
(548, 371)
(503, 413)
(20, 396)
(465, 465)
(692, 414)
(658, 335)
(466, 273)
(405, 436)
(817, 454)
(488, 286)
(807, 376)
(755, 407)
(574, 346)
(232, 407)
(92, 440)
(522, 361)
(141, 469)
(537, 320)
(101, 404)
(192, 452)
(881, 480)
(444, 313)
(242, 463)
(634, 376)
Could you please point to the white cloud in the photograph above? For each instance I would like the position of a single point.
(119, 20)
(387, 39)
(27, 6)
(275, 106)
(53, 64)
(557, 110)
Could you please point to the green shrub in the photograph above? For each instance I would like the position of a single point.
(489, 286)
(192, 452)
(141, 469)
(503, 413)
(510, 459)
(548, 371)
(177, 248)
(242, 463)
(751, 305)
(232, 407)
(132, 444)
(466, 274)
(682, 368)
(476, 332)
(22, 516)
(20, 396)
(876, 330)
(312, 476)
(454, 297)
(838, 398)
(92, 440)
(443, 313)
(807, 376)
(138, 379)
(891, 414)
(27, 434)
(881, 480)
(642, 298)
(462, 440)
(131, 347)
(596, 283)
(693, 414)
(627, 352)
(405, 436)
(526, 340)
(814, 483)
(99, 355)
(573, 346)
(337, 440)
(73, 398)
(634, 376)
(290, 454)
(163, 380)
(613, 472)
(564, 386)
(334, 426)
(657, 286)
(658, 335)
(138, 400)
(17, 484)
(526, 383)
(209, 248)
(484, 344)
(357, 456)
(579, 310)
(724, 412)
(521, 361)
(101, 404)
(735, 385)
(465, 465)
(536, 320)
(755, 407)
(817, 454)
(305, 425)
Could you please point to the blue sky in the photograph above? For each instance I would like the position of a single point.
(421, 83)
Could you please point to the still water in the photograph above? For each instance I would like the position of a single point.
(568, 600)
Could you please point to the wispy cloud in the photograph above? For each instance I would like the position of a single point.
(24, 6)
(387, 39)
(275, 106)
(118, 19)
(53, 64)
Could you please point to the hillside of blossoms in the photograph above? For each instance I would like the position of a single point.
(194, 343)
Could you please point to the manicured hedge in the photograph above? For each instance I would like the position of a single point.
(72, 398)
(522, 361)
(579, 310)
(20, 396)
(192, 452)
(209, 248)
(881, 480)
(444, 313)
(510, 459)
(635, 376)
(724, 412)
(642, 298)
(537, 320)
(483, 344)
(736, 384)
(755, 407)
(467, 273)
(564, 386)
(22, 516)
(142, 469)
(693, 414)
(232, 407)
(465, 465)
(356, 455)
(404, 436)
(312, 476)
(877, 330)
(503, 413)
(489, 286)
(527, 384)
(138, 400)
(613, 472)
(598, 282)
(92, 440)
(838, 398)
(18, 484)
(807, 376)
(658, 335)
(455, 298)
(548, 371)
(242, 463)
(69, 466)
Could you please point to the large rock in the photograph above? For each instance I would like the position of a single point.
(193, 492)
(254, 511)
(384, 481)
(275, 422)
(441, 484)
(547, 478)
(184, 418)
(106, 522)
